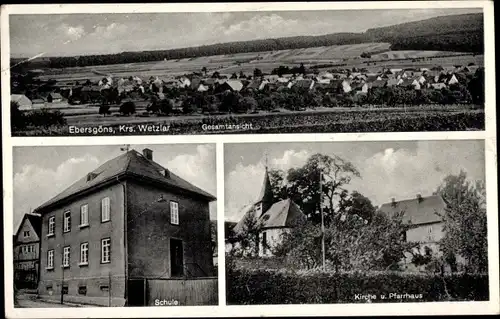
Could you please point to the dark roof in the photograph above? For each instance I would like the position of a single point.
(357, 85)
(254, 84)
(266, 192)
(379, 83)
(304, 83)
(417, 211)
(209, 81)
(130, 164)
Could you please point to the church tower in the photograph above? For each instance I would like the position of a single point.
(266, 196)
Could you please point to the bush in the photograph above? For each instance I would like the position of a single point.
(44, 118)
(104, 109)
(17, 118)
(273, 287)
(166, 106)
(127, 108)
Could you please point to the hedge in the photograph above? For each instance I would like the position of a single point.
(272, 287)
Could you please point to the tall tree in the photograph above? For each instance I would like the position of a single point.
(303, 185)
(465, 225)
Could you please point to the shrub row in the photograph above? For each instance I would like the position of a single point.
(269, 287)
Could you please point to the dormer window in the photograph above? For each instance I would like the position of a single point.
(91, 176)
(164, 172)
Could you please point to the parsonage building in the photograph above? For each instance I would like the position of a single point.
(129, 219)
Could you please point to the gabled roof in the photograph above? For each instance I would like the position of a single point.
(131, 164)
(417, 211)
(284, 213)
(35, 221)
(235, 85)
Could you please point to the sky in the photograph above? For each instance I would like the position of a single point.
(399, 169)
(42, 172)
(81, 34)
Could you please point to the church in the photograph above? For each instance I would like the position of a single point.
(274, 217)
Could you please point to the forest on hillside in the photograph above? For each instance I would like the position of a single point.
(463, 33)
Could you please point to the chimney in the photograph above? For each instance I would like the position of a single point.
(148, 153)
(419, 198)
(393, 202)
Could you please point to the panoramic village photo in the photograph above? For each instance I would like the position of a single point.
(115, 225)
(324, 71)
(355, 222)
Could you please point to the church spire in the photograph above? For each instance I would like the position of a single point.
(266, 196)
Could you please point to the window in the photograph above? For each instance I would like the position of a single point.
(264, 242)
(82, 290)
(105, 250)
(26, 233)
(84, 215)
(52, 225)
(174, 213)
(67, 222)
(66, 252)
(105, 209)
(104, 287)
(84, 254)
(50, 259)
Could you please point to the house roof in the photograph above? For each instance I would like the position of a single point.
(235, 85)
(284, 213)
(379, 83)
(303, 83)
(209, 81)
(438, 85)
(130, 164)
(21, 99)
(254, 84)
(55, 95)
(417, 211)
(35, 221)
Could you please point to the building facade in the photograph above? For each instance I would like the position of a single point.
(425, 216)
(27, 252)
(129, 219)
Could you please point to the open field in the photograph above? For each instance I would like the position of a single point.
(399, 119)
(268, 60)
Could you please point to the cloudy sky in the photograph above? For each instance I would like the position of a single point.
(80, 34)
(42, 172)
(388, 169)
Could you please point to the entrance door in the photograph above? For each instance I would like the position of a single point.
(176, 258)
(136, 292)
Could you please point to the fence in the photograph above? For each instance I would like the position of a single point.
(173, 292)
